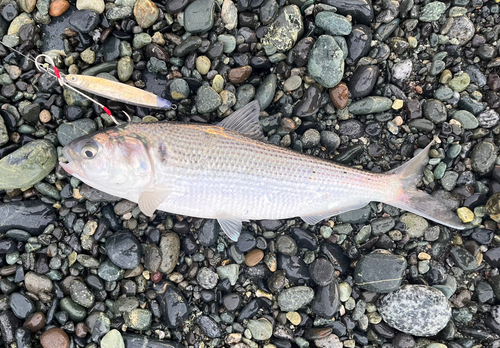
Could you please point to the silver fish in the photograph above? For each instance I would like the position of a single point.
(229, 173)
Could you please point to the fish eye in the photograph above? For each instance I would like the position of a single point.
(72, 78)
(89, 151)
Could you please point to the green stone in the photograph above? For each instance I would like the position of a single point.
(244, 95)
(293, 298)
(471, 105)
(18, 22)
(199, 16)
(415, 225)
(333, 23)
(125, 68)
(75, 312)
(466, 119)
(266, 90)
(67, 132)
(207, 99)
(370, 105)
(443, 93)
(4, 135)
(113, 339)
(179, 89)
(285, 30)
(460, 83)
(261, 329)
(432, 11)
(109, 271)
(141, 40)
(326, 62)
(138, 319)
(73, 98)
(48, 190)
(439, 170)
(228, 41)
(156, 65)
(483, 157)
(27, 165)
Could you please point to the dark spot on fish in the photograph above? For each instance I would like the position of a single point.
(162, 150)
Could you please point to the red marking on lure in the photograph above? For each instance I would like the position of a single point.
(106, 110)
(56, 72)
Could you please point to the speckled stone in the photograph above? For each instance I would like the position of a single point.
(326, 62)
(417, 310)
(285, 30)
(294, 298)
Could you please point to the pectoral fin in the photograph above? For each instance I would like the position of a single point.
(231, 226)
(150, 200)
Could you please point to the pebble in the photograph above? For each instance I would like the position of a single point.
(333, 23)
(124, 250)
(360, 10)
(170, 245)
(380, 272)
(261, 329)
(285, 30)
(173, 306)
(326, 62)
(363, 81)
(417, 310)
(415, 225)
(460, 83)
(21, 305)
(207, 278)
(432, 11)
(146, 13)
(138, 319)
(54, 337)
(466, 119)
(113, 339)
(207, 99)
(339, 95)
(199, 16)
(254, 257)
(483, 157)
(326, 301)
(464, 259)
(97, 6)
(292, 299)
(370, 105)
(27, 165)
(58, 7)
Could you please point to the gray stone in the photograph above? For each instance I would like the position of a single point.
(483, 157)
(464, 259)
(67, 132)
(285, 30)
(266, 90)
(261, 329)
(294, 298)
(170, 245)
(488, 119)
(417, 310)
(333, 23)
(462, 29)
(380, 272)
(113, 339)
(207, 278)
(81, 294)
(138, 319)
(4, 135)
(370, 105)
(432, 11)
(415, 225)
(207, 99)
(230, 272)
(326, 62)
(466, 119)
(435, 111)
(199, 16)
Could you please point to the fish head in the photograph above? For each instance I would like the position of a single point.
(112, 161)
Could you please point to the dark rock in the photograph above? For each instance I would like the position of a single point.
(124, 250)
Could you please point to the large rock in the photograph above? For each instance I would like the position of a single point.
(326, 62)
(285, 30)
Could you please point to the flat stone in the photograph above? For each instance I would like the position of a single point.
(333, 23)
(207, 99)
(417, 310)
(261, 329)
(27, 165)
(432, 11)
(67, 132)
(93, 5)
(146, 13)
(464, 259)
(466, 119)
(170, 245)
(54, 337)
(380, 272)
(292, 299)
(326, 62)
(370, 105)
(113, 339)
(462, 29)
(199, 16)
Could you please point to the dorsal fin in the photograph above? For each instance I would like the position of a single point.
(245, 121)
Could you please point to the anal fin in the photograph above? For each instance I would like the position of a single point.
(314, 219)
(150, 200)
(231, 226)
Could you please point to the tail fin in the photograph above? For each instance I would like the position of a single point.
(419, 202)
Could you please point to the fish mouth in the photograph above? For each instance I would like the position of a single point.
(71, 167)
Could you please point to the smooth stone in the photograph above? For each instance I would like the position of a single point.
(435, 111)
(179, 89)
(23, 19)
(173, 306)
(462, 29)
(464, 259)
(209, 326)
(207, 99)
(81, 294)
(370, 105)
(261, 329)
(146, 13)
(109, 271)
(4, 135)
(199, 16)
(460, 83)
(229, 14)
(141, 341)
(417, 310)
(360, 10)
(326, 301)
(380, 272)
(170, 245)
(285, 30)
(268, 11)
(177, 6)
(293, 298)
(67, 132)
(483, 157)
(93, 5)
(471, 105)
(432, 11)
(301, 51)
(265, 92)
(309, 104)
(363, 81)
(124, 250)
(21, 305)
(27, 165)
(138, 319)
(402, 70)
(84, 21)
(8, 326)
(359, 43)
(466, 119)
(190, 44)
(339, 95)
(415, 225)
(75, 312)
(333, 23)
(492, 257)
(326, 62)
(55, 337)
(37, 283)
(35, 322)
(292, 83)
(125, 68)
(113, 339)
(229, 272)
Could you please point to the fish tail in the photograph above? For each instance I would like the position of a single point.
(419, 202)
